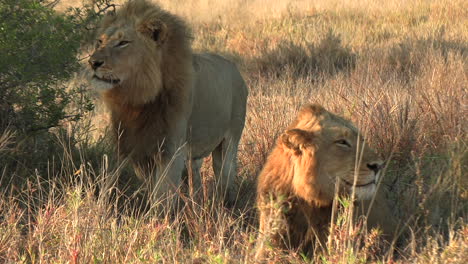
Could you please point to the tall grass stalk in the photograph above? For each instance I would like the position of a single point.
(396, 68)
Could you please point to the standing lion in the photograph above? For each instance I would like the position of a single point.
(167, 104)
(319, 156)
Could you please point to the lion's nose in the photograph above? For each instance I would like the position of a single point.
(95, 63)
(374, 167)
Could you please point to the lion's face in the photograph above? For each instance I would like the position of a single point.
(345, 156)
(140, 50)
(126, 51)
(328, 150)
(114, 58)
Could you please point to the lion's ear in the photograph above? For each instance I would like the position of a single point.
(297, 139)
(155, 29)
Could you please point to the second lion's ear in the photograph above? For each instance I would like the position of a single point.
(155, 29)
(297, 139)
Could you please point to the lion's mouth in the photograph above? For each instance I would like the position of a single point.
(359, 185)
(107, 80)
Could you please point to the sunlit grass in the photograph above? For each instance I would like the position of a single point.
(397, 68)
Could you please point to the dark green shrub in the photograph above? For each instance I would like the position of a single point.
(38, 52)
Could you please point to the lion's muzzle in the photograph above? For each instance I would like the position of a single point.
(109, 80)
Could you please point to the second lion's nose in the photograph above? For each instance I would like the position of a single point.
(374, 167)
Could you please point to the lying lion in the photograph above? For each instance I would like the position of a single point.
(297, 185)
(167, 105)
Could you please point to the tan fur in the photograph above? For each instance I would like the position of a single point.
(296, 187)
(166, 103)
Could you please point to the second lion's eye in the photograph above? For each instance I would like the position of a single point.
(343, 142)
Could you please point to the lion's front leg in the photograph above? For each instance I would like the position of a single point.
(161, 178)
(166, 183)
(274, 231)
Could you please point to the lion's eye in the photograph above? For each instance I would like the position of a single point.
(343, 143)
(123, 43)
(98, 42)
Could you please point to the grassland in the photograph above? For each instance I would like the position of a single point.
(398, 69)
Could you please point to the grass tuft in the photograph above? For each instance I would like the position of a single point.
(398, 69)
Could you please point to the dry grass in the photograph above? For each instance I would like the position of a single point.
(397, 68)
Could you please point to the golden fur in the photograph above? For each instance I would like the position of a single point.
(166, 103)
(317, 152)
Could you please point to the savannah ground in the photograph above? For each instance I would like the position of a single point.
(398, 69)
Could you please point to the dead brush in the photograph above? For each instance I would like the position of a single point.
(60, 202)
(328, 57)
(351, 239)
(5, 140)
